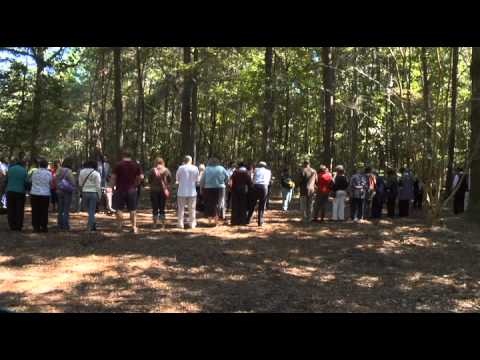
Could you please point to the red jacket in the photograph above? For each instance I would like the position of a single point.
(324, 182)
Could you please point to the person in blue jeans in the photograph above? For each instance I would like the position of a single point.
(65, 188)
(90, 185)
(288, 187)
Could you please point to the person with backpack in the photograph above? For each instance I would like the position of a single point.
(405, 192)
(358, 189)
(307, 180)
(324, 188)
(160, 180)
(16, 181)
(90, 186)
(65, 189)
(391, 192)
(340, 187)
(40, 196)
(460, 180)
(370, 192)
(288, 187)
(378, 196)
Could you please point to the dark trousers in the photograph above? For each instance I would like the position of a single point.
(269, 194)
(239, 207)
(377, 206)
(459, 202)
(158, 200)
(15, 210)
(39, 212)
(259, 195)
(403, 208)
(357, 206)
(417, 203)
(391, 207)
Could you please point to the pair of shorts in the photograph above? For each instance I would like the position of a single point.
(123, 199)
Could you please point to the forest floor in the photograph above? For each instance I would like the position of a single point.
(285, 266)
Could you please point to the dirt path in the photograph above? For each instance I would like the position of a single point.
(400, 266)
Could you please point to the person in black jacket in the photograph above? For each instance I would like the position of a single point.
(460, 180)
(340, 186)
(391, 191)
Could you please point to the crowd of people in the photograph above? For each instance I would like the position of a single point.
(211, 189)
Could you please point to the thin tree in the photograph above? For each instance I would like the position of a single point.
(329, 101)
(117, 63)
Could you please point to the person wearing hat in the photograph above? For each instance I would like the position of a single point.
(261, 180)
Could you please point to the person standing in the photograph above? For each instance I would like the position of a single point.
(460, 180)
(212, 186)
(241, 184)
(186, 177)
(15, 190)
(231, 168)
(90, 186)
(3, 183)
(160, 180)
(324, 187)
(105, 171)
(261, 181)
(370, 191)
(418, 193)
(200, 205)
(391, 192)
(126, 177)
(340, 187)
(378, 196)
(288, 187)
(405, 192)
(53, 195)
(65, 189)
(358, 189)
(40, 196)
(307, 180)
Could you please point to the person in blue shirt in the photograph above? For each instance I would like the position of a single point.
(212, 185)
(16, 188)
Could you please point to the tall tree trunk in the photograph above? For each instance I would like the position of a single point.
(117, 63)
(213, 120)
(474, 201)
(427, 103)
(453, 120)
(354, 117)
(141, 104)
(329, 101)
(37, 100)
(185, 125)
(193, 132)
(269, 105)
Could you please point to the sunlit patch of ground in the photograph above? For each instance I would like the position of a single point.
(285, 266)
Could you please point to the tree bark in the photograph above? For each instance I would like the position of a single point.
(269, 105)
(186, 123)
(141, 104)
(427, 103)
(453, 120)
(39, 57)
(474, 201)
(329, 101)
(193, 132)
(117, 61)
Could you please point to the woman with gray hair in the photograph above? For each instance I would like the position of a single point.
(212, 185)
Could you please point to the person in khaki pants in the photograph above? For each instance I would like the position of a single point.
(186, 177)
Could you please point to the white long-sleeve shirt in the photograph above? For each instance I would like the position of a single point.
(187, 176)
(262, 176)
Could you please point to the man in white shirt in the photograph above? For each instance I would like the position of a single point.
(187, 176)
(261, 181)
